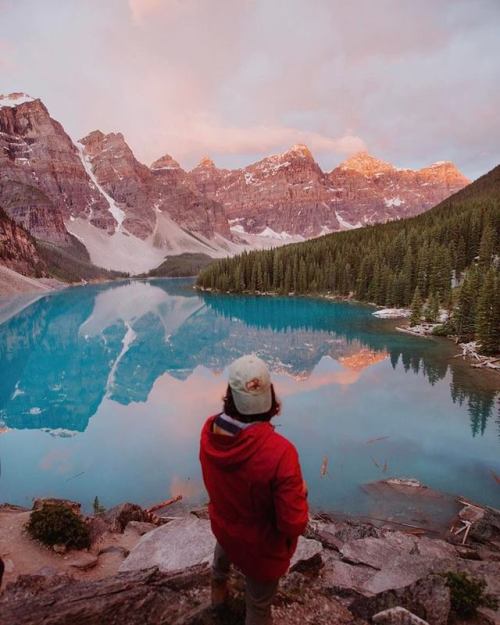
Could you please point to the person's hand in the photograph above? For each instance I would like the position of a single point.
(305, 489)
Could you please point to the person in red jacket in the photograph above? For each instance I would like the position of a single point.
(258, 499)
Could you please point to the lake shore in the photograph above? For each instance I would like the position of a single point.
(345, 569)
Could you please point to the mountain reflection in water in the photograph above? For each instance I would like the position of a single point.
(78, 353)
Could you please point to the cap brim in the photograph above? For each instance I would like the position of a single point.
(249, 404)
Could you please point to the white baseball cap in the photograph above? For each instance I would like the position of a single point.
(250, 384)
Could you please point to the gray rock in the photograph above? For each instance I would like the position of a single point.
(380, 552)
(119, 516)
(307, 554)
(341, 576)
(47, 571)
(428, 598)
(141, 527)
(189, 541)
(174, 546)
(488, 528)
(97, 527)
(84, 562)
(115, 549)
(397, 616)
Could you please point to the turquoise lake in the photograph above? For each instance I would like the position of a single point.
(104, 389)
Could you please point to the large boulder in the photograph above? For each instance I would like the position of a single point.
(129, 598)
(118, 517)
(397, 616)
(370, 566)
(189, 541)
(427, 598)
(307, 555)
(177, 545)
(379, 552)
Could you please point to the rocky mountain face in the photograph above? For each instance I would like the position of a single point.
(367, 191)
(285, 193)
(17, 248)
(120, 209)
(289, 194)
(51, 184)
(143, 193)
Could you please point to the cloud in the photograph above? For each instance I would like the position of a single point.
(7, 61)
(414, 82)
(143, 8)
(204, 135)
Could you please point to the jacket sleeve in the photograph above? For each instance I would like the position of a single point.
(290, 498)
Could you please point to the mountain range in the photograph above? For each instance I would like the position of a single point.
(93, 201)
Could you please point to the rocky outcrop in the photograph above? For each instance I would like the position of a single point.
(17, 248)
(36, 153)
(188, 541)
(165, 578)
(138, 597)
(289, 193)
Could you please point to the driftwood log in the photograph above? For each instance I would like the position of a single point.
(147, 596)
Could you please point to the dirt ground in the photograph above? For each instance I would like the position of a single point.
(22, 555)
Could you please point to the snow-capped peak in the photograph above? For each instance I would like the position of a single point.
(14, 99)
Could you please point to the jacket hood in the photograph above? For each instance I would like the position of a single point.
(231, 451)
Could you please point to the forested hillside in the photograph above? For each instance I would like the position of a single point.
(418, 260)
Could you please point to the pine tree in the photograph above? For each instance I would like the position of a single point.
(416, 308)
(486, 246)
(432, 309)
(487, 323)
(465, 312)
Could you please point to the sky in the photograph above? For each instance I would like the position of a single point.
(412, 82)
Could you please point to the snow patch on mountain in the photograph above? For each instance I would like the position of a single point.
(14, 99)
(345, 224)
(120, 251)
(393, 201)
(114, 209)
(266, 239)
(281, 236)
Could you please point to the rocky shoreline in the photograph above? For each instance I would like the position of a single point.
(156, 569)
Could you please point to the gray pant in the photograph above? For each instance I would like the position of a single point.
(259, 595)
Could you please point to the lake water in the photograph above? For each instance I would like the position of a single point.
(104, 389)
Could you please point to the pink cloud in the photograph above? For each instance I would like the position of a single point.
(203, 135)
(143, 8)
(6, 55)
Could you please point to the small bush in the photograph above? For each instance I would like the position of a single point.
(467, 594)
(55, 524)
(445, 329)
(440, 330)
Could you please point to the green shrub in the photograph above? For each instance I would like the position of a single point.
(440, 330)
(467, 594)
(56, 524)
(444, 329)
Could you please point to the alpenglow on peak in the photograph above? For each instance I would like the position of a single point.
(365, 163)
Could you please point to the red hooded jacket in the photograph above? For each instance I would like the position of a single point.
(258, 506)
